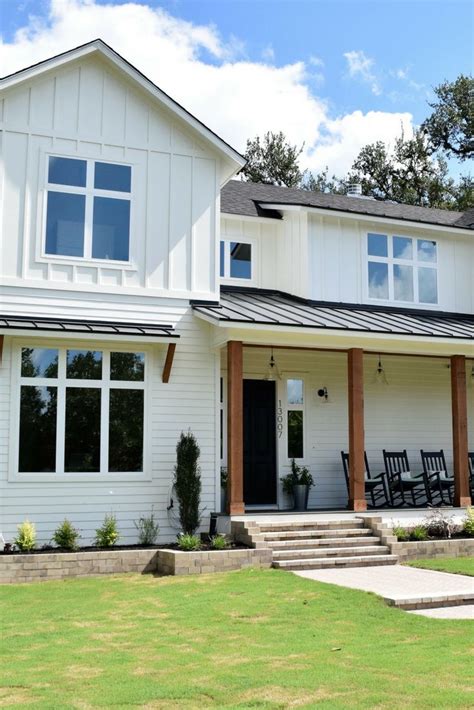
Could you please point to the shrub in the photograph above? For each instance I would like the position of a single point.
(188, 542)
(108, 534)
(66, 535)
(439, 525)
(148, 529)
(468, 524)
(418, 533)
(26, 537)
(298, 476)
(402, 534)
(219, 542)
(187, 481)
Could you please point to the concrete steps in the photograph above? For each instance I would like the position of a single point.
(315, 544)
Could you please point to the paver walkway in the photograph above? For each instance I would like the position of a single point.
(398, 584)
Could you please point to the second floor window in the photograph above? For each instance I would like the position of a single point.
(88, 209)
(235, 260)
(402, 269)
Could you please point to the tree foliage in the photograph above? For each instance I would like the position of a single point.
(451, 124)
(272, 160)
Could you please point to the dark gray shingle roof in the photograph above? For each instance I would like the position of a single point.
(246, 198)
(259, 306)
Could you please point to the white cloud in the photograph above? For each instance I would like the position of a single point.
(268, 53)
(210, 75)
(362, 67)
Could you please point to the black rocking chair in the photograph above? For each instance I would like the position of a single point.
(375, 486)
(402, 482)
(440, 484)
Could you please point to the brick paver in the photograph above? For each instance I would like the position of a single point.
(398, 584)
(448, 612)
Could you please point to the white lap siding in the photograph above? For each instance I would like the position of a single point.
(188, 401)
(413, 411)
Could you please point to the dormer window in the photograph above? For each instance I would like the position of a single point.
(235, 260)
(88, 209)
(402, 269)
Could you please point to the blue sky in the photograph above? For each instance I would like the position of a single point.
(334, 73)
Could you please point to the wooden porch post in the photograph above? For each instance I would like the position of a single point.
(355, 371)
(459, 415)
(235, 496)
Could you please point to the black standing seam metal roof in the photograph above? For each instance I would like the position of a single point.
(94, 327)
(249, 198)
(262, 307)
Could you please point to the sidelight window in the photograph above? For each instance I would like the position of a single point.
(295, 418)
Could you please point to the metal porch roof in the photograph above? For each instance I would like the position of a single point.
(273, 308)
(89, 327)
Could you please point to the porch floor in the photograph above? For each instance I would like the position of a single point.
(404, 516)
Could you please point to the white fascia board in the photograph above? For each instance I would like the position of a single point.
(367, 218)
(250, 218)
(99, 47)
(96, 337)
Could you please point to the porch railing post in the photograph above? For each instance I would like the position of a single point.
(235, 498)
(459, 416)
(355, 371)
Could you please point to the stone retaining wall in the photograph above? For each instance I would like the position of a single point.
(40, 567)
(177, 562)
(433, 548)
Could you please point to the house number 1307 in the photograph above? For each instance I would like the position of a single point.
(279, 419)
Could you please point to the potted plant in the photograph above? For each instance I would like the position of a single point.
(297, 483)
(223, 489)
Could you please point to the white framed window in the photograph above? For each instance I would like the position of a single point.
(295, 418)
(402, 269)
(80, 410)
(87, 209)
(236, 260)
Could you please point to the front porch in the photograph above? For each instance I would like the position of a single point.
(326, 401)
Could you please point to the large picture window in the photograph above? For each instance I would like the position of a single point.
(88, 209)
(81, 411)
(402, 269)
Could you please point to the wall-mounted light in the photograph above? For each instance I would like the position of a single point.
(324, 394)
(380, 378)
(273, 373)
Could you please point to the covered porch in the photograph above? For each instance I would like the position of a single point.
(310, 391)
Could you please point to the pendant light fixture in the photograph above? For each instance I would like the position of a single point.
(273, 373)
(380, 378)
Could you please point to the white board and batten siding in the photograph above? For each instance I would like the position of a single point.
(412, 412)
(325, 257)
(85, 109)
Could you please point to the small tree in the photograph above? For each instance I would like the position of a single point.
(273, 161)
(187, 481)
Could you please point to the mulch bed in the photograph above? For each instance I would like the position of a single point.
(48, 549)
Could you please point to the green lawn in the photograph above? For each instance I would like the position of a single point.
(457, 565)
(250, 639)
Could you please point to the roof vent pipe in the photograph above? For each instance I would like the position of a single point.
(354, 189)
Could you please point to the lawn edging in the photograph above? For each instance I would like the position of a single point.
(40, 567)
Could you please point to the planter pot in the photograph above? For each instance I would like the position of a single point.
(223, 500)
(300, 495)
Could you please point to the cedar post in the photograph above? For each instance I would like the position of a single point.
(462, 495)
(355, 371)
(235, 498)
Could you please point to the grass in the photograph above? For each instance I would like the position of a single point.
(249, 639)
(456, 565)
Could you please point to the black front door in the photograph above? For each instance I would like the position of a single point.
(259, 443)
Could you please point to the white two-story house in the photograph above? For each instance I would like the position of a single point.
(144, 292)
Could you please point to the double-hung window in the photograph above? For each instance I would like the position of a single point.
(88, 209)
(403, 269)
(81, 411)
(295, 418)
(236, 260)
